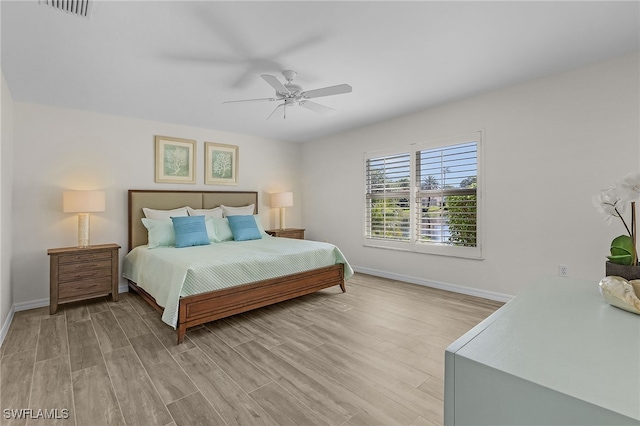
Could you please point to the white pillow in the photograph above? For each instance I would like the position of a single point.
(260, 227)
(164, 214)
(238, 211)
(218, 230)
(215, 212)
(160, 233)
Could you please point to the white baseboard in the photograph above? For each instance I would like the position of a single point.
(5, 327)
(23, 306)
(33, 304)
(486, 294)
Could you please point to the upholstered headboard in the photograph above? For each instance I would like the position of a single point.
(166, 200)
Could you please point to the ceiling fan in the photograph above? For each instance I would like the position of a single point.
(291, 94)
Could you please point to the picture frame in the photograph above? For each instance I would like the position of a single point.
(221, 164)
(175, 160)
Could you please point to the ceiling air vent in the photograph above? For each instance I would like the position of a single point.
(81, 8)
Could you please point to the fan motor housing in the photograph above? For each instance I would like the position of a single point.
(294, 89)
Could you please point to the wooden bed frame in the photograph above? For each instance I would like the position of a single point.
(202, 308)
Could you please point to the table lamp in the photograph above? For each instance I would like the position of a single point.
(83, 203)
(282, 200)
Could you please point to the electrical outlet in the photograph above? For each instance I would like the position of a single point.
(562, 270)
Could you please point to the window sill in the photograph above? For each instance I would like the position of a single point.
(471, 253)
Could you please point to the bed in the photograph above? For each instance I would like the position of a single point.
(229, 297)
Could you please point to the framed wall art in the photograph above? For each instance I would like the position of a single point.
(175, 160)
(221, 164)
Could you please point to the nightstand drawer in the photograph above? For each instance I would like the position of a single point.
(80, 271)
(291, 234)
(84, 288)
(84, 257)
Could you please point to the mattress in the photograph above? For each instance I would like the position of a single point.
(168, 273)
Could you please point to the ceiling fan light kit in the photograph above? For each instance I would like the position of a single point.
(291, 94)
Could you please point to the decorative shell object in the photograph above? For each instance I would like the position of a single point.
(620, 293)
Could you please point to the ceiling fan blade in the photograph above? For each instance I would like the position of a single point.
(321, 109)
(275, 83)
(202, 59)
(274, 111)
(252, 100)
(327, 91)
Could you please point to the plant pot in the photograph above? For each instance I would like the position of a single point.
(628, 272)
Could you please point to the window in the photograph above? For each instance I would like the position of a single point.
(425, 198)
(388, 197)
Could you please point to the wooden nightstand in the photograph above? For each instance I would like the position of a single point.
(287, 233)
(82, 273)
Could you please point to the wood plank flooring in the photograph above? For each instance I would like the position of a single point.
(371, 356)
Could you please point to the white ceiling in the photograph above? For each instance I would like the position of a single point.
(177, 61)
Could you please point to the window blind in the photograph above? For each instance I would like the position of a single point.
(388, 185)
(446, 178)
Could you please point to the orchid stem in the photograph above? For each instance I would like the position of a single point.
(623, 221)
(633, 232)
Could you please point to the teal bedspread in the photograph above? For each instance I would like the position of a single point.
(167, 273)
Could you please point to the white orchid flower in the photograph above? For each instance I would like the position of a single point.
(628, 189)
(609, 204)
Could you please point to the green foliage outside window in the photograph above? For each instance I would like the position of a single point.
(463, 218)
(461, 210)
(390, 218)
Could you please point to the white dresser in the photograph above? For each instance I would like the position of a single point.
(557, 354)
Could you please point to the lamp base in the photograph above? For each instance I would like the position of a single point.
(282, 223)
(83, 230)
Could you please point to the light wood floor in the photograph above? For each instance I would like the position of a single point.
(371, 356)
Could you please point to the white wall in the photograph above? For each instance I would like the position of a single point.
(57, 149)
(550, 145)
(6, 191)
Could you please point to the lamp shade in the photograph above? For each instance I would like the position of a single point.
(282, 199)
(83, 201)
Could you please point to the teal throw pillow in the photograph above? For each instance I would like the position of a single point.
(244, 228)
(190, 231)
